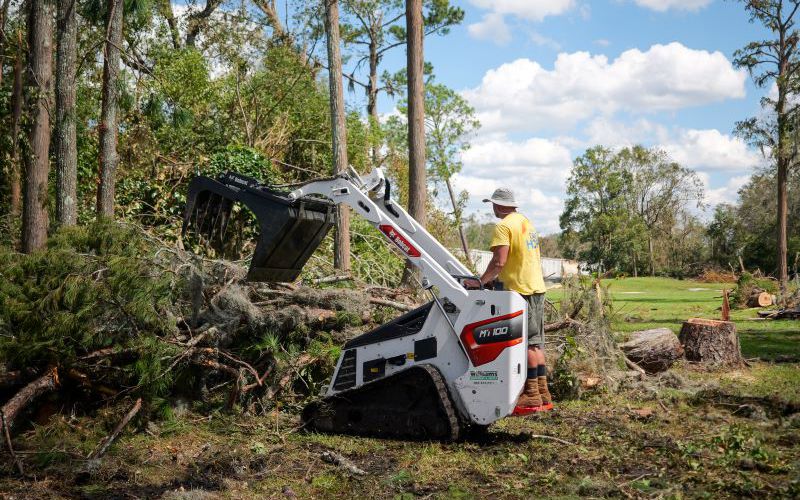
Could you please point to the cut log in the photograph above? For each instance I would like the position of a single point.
(654, 350)
(711, 342)
(760, 299)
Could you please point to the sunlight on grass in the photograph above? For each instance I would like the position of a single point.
(643, 303)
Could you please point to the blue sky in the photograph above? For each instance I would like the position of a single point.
(550, 78)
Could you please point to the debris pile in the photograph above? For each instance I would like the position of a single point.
(107, 313)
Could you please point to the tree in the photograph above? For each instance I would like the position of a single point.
(376, 25)
(659, 189)
(775, 61)
(450, 120)
(417, 185)
(341, 257)
(722, 234)
(597, 224)
(109, 128)
(66, 152)
(37, 161)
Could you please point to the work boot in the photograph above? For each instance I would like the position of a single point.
(544, 392)
(529, 401)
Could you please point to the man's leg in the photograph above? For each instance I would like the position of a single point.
(530, 401)
(541, 375)
(537, 306)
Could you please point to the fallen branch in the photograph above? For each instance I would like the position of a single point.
(390, 303)
(27, 394)
(8, 444)
(330, 279)
(560, 325)
(340, 461)
(106, 442)
(633, 366)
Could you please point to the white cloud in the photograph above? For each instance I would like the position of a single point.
(664, 5)
(532, 10)
(536, 169)
(492, 27)
(602, 42)
(712, 150)
(727, 193)
(522, 95)
(611, 133)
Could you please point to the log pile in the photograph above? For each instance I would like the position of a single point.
(653, 350)
(711, 342)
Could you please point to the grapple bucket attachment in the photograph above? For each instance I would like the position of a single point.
(289, 231)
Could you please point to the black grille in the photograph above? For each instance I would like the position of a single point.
(346, 376)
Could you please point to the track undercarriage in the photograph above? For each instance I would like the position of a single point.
(412, 404)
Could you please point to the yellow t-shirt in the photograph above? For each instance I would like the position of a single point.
(523, 270)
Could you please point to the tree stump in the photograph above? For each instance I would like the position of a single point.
(711, 342)
(654, 350)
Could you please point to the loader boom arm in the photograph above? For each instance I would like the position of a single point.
(369, 197)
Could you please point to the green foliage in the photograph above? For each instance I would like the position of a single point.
(92, 288)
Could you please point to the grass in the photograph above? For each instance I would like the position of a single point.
(646, 441)
(643, 303)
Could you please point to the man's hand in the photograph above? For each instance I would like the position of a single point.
(471, 284)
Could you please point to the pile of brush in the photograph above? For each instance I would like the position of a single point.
(107, 314)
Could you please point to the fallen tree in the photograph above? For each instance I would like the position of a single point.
(653, 350)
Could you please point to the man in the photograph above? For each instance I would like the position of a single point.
(518, 265)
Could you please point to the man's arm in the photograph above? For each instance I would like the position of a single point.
(499, 257)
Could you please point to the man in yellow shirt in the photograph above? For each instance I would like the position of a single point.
(517, 263)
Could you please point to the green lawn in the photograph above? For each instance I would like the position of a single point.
(642, 303)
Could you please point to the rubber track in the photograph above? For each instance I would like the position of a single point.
(419, 407)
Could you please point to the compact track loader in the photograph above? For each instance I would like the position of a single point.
(457, 362)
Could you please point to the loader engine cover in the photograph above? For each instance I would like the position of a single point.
(289, 230)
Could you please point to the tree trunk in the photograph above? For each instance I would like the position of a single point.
(165, 8)
(66, 148)
(37, 161)
(341, 257)
(652, 257)
(654, 350)
(372, 87)
(109, 158)
(457, 214)
(711, 342)
(783, 216)
(417, 186)
(16, 116)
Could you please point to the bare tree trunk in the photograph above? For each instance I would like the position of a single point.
(109, 159)
(783, 216)
(372, 88)
(16, 116)
(37, 161)
(417, 186)
(341, 256)
(66, 148)
(652, 257)
(457, 215)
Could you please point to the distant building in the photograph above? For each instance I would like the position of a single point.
(553, 270)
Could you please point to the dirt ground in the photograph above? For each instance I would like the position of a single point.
(684, 434)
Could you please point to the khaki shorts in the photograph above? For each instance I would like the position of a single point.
(535, 319)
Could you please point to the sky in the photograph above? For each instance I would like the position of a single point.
(551, 78)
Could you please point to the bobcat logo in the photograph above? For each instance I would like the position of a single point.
(533, 241)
